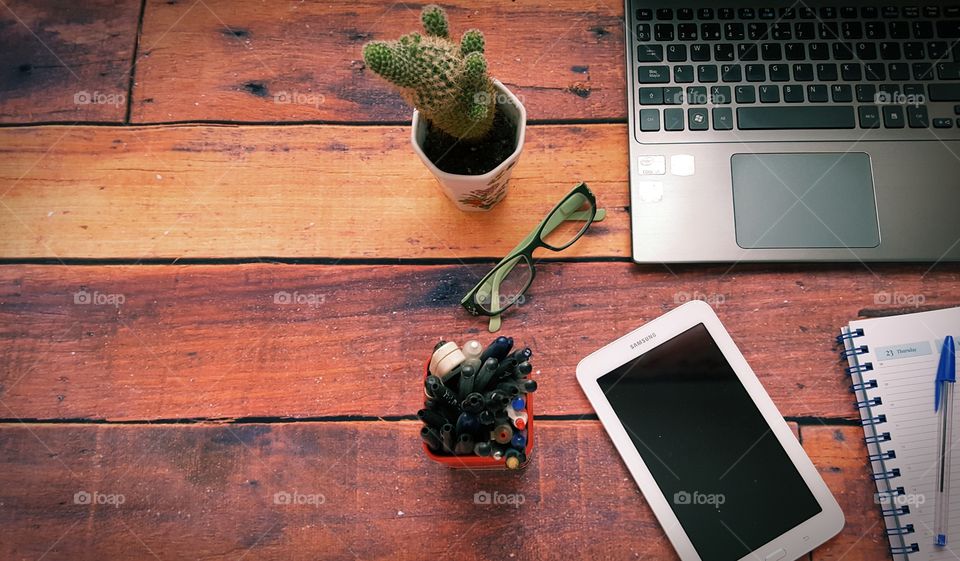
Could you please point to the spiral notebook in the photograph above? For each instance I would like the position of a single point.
(893, 364)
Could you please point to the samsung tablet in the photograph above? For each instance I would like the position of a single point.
(715, 460)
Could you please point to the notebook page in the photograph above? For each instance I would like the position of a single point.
(905, 352)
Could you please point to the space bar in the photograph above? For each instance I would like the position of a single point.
(804, 117)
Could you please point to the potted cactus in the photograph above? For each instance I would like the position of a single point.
(467, 129)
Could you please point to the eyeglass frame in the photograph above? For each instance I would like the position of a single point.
(528, 245)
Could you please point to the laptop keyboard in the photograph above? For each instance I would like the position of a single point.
(823, 68)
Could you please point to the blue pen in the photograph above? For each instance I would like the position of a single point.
(946, 378)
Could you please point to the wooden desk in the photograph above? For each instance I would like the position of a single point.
(147, 233)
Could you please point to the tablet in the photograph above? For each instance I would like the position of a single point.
(721, 469)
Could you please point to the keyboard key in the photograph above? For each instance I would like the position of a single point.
(649, 53)
(841, 93)
(673, 96)
(807, 13)
(651, 96)
(781, 31)
(912, 50)
(644, 14)
(866, 51)
(707, 73)
(745, 94)
(725, 13)
(893, 117)
(733, 31)
(868, 12)
(705, 13)
(937, 49)
(685, 13)
(683, 74)
(922, 71)
(676, 53)
(848, 12)
(797, 117)
(767, 13)
(805, 30)
(663, 32)
(875, 71)
(723, 52)
(828, 12)
(944, 92)
(851, 72)
(687, 32)
(842, 51)
(710, 31)
(869, 117)
(795, 51)
(730, 73)
(664, 13)
(747, 13)
(866, 93)
(756, 73)
(931, 12)
(793, 93)
(942, 123)
(769, 94)
(723, 118)
(899, 30)
(899, 71)
(917, 117)
(914, 92)
(911, 12)
(673, 119)
(875, 30)
(817, 93)
(697, 95)
(779, 72)
(699, 52)
(757, 31)
(720, 95)
(653, 74)
(829, 30)
(771, 51)
(891, 12)
(851, 30)
(948, 70)
(827, 72)
(949, 29)
(889, 50)
(747, 51)
(803, 72)
(922, 30)
(698, 118)
(649, 120)
(819, 51)
(643, 32)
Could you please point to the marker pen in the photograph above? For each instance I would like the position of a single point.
(496, 400)
(522, 355)
(431, 438)
(431, 418)
(486, 418)
(472, 349)
(502, 434)
(464, 444)
(514, 458)
(518, 404)
(473, 403)
(446, 436)
(467, 423)
(482, 448)
(528, 386)
(509, 388)
(519, 440)
(445, 358)
(518, 418)
(499, 349)
(523, 369)
(487, 372)
(467, 375)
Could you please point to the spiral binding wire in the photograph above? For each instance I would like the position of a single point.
(860, 387)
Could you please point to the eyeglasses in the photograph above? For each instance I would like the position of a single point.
(507, 282)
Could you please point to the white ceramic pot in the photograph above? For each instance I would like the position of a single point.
(477, 192)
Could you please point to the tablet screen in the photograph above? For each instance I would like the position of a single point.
(727, 478)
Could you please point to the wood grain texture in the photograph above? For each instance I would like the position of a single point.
(841, 457)
(208, 492)
(219, 341)
(296, 61)
(66, 61)
(309, 191)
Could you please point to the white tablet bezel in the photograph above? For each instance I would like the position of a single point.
(793, 543)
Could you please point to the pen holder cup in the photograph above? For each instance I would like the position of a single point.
(470, 461)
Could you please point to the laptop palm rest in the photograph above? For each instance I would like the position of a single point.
(804, 201)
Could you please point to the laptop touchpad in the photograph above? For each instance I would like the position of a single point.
(804, 200)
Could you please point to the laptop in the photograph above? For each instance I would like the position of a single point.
(794, 131)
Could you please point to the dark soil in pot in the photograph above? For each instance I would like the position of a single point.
(464, 157)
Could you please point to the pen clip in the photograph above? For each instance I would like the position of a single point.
(946, 370)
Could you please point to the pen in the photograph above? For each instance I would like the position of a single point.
(943, 404)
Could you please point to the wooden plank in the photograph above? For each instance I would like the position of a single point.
(66, 61)
(214, 341)
(289, 60)
(332, 191)
(841, 457)
(366, 492)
